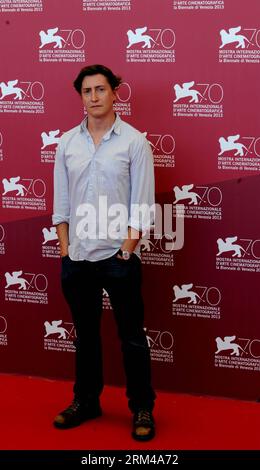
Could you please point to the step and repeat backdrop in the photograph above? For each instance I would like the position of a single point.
(190, 73)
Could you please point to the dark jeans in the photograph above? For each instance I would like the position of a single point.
(82, 284)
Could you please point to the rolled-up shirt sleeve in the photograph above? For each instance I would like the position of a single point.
(61, 205)
(142, 202)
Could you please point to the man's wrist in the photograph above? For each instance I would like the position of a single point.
(124, 254)
(63, 253)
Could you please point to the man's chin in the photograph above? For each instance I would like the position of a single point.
(97, 112)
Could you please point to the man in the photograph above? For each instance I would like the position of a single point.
(101, 166)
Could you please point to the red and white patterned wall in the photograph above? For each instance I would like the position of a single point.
(190, 81)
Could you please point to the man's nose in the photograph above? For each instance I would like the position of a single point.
(94, 95)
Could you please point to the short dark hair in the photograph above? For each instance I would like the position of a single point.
(112, 79)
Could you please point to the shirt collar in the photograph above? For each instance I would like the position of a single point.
(116, 128)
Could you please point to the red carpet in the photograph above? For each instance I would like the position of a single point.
(28, 405)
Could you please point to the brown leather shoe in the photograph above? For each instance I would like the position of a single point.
(75, 414)
(143, 425)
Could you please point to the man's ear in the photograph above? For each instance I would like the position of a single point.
(115, 95)
(116, 89)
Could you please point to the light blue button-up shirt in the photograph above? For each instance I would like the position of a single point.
(119, 170)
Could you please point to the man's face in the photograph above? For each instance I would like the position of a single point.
(97, 95)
